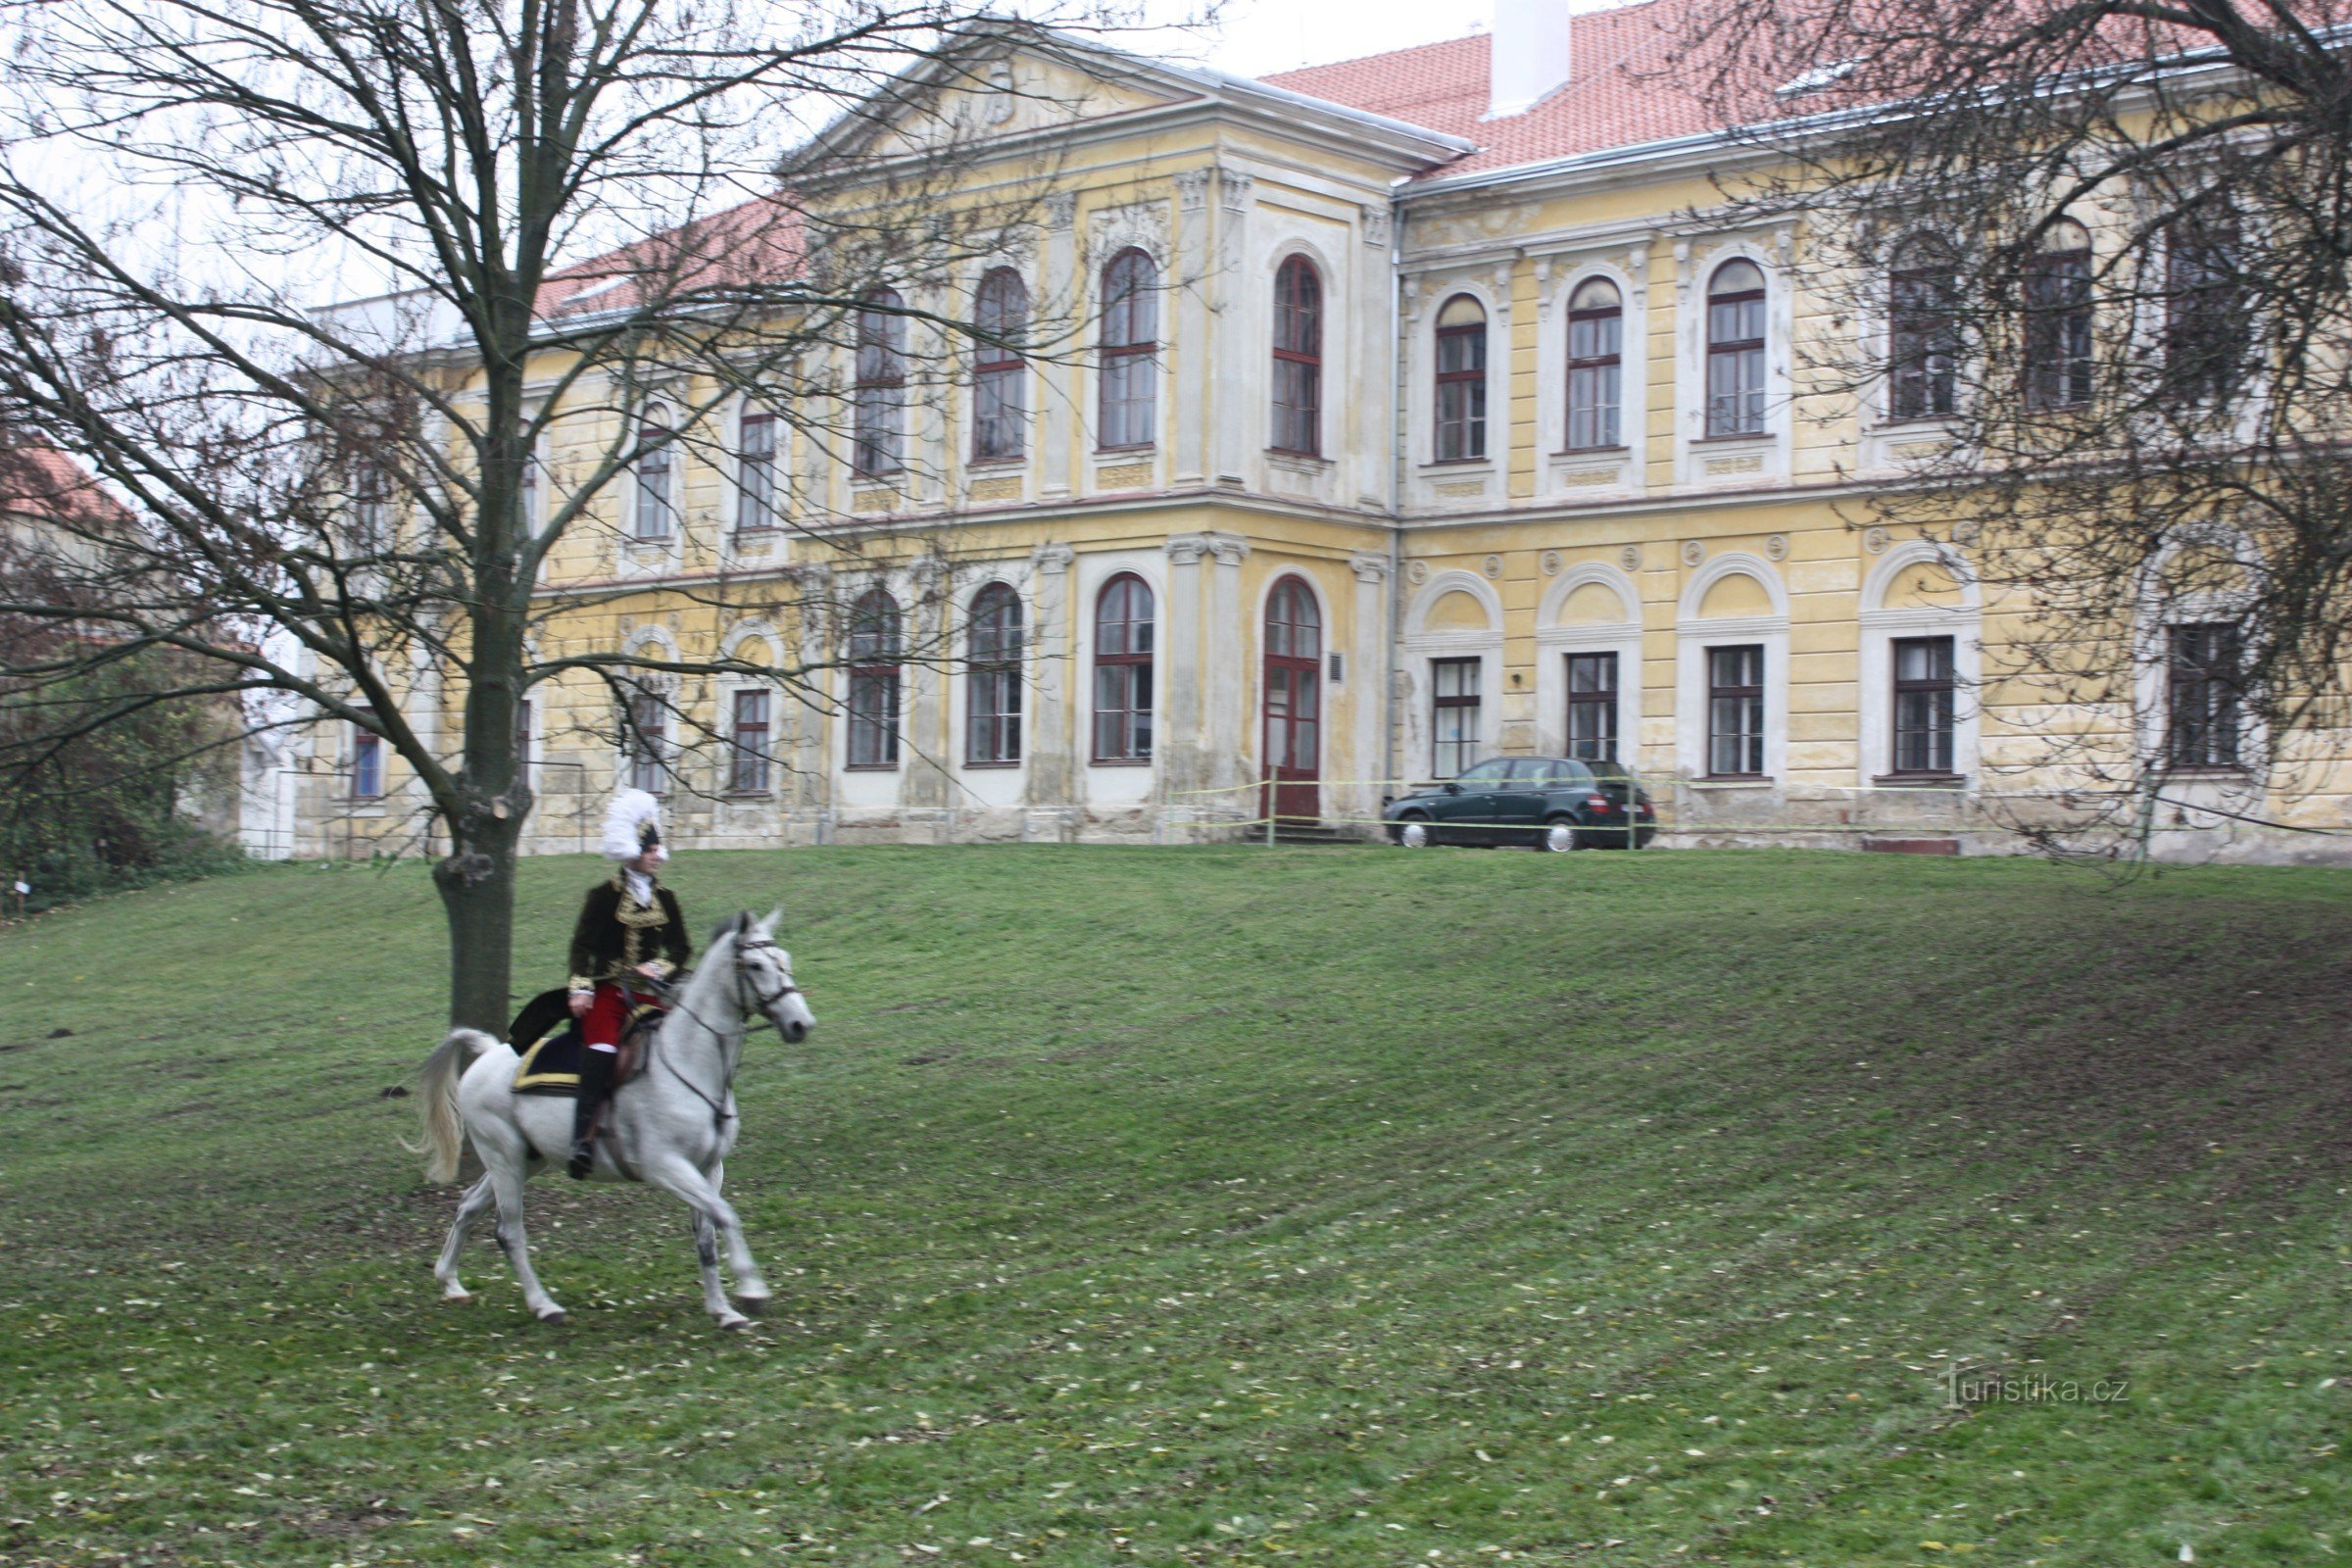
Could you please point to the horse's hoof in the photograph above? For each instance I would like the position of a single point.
(458, 1298)
(553, 1316)
(752, 1305)
(734, 1320)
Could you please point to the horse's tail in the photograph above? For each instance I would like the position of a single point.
(437, 1103)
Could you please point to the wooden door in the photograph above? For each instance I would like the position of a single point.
(1294, 703)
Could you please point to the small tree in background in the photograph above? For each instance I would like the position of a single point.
(2100, 246)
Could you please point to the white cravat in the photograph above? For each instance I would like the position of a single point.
(640, 886)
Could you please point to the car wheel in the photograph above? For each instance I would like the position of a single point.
(1558, 837)
(1412, 833)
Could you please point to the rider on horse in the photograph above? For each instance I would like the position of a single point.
(630, 935)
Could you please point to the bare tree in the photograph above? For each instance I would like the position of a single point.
(407, 488)
(2096, 250)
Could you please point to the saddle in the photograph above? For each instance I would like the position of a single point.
(549, 1038)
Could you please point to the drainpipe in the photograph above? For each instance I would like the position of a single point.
(1397, 469)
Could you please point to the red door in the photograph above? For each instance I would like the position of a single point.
(1294, 688)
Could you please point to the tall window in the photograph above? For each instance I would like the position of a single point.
(370, 510)
(1595, 364)
(999, 378)
(1923, 705)
(2058, 319)
(526, 487)
(1454, 692)
(657, 498)
(992, 724)
(878, 445)
(2205, 327)
(2201, 711)
(1123, 670)
(876, 646)
(1735, 712)
(1736, 350)
(367, 761)
(755, 471)
(747, 743)
(1593, 706)
(1298, 358)
(1923, 335)
(649, 743)
(1130, 413)
(1293, 676)
(523, 741)
(1461, 386)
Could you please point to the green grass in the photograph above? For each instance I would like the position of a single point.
(1225, 1207)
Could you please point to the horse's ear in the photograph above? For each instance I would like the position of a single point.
(767, 927)
(732, 925)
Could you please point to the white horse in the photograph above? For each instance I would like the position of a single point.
(669, 1127)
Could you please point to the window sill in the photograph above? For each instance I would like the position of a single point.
(1617, 451)
(1459, 464)
(869, 767)
(2218, 772)
(1302, 460)
(1126, 452)
(1908, 424)
(1753, 438)
(1936, 781)
(750, 795)
(1119, 762)
(1016, 461)
(1733, 781)
(1014, 762)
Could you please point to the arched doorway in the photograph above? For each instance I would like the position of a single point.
(1294, 703)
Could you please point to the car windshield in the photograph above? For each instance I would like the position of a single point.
(1554, 773)
(1483, 773)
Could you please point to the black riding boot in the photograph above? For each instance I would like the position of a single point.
(596, 1086)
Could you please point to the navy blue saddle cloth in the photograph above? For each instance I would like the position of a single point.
(548, 1038)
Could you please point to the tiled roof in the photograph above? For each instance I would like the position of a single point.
(1617, 94)
(758, 242)
(38, 481)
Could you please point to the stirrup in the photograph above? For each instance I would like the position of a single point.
(583, 1159)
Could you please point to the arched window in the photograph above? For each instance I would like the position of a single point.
(1298, 358)
(1923, 335)
(1736, 350)
(1123, 670)
(1294, 690)
(992, 727)
(2058, 319)
(875, 646)
(1000, 379)
(1461, 388)
(1130, 411)
(881, 383)
(2205, 327)
(657, 497)
(1595, 364)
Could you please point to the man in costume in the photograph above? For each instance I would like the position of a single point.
(629, 937)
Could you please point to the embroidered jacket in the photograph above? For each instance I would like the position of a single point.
(617, 934)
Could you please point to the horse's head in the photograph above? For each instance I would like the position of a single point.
(763, 976)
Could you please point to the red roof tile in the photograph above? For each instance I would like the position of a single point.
(761, 242)
(1616, 94)
(38, 481)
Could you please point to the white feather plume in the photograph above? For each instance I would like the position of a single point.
(624, 819)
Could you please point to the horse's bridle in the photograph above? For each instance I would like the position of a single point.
(788, 989)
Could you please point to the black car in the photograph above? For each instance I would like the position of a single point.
(1545, 802)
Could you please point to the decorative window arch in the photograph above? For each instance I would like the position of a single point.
(1923, 329)
(1732, 675)
(1298, 358)
(1123, 654)
(1129, 414)
(1596, 366)
(1588, 667)
(880, 442)
(1459, 409)
(1736, 349)
(1921, 664)
(876, 646)
(2059, 320)
(654, 512)
(992, 675)
(1000, 376)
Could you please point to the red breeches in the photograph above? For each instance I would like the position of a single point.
(608, 1011)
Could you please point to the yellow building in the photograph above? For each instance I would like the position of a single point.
(1419, 420)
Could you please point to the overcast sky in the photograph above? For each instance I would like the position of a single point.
(1259, 37)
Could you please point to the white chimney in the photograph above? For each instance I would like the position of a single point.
(1530, 58)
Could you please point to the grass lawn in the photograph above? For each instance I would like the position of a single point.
(1227, 1207)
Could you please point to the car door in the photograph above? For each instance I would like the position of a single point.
(1466, 813)
(1519, 801)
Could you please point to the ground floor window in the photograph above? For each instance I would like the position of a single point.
(366, 762)
(874, 716)
(2201, 713)
(1453, 714)
(1735, 712)
(1923, 705)
(748, 744)
(1593, 706)
(649, 744)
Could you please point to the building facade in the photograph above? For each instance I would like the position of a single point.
(1422, 417)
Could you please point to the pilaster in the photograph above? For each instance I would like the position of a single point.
(1058, 378)
(1048, 774)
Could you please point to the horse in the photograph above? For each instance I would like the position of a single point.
(669, 1127)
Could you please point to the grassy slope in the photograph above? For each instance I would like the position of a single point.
(1225, 1205)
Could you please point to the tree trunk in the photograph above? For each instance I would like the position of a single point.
(476, 880)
